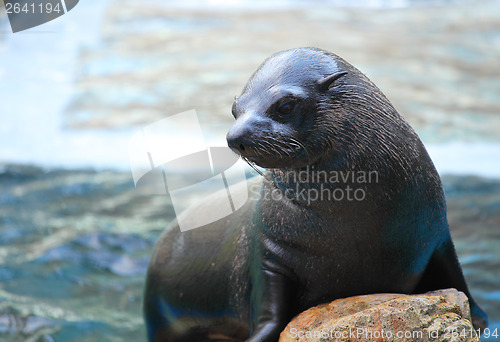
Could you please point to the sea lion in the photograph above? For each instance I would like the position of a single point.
(350, 204)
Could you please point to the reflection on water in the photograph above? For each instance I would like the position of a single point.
(74, 242)
(74, 249)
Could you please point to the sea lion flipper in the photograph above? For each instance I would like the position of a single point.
(270, 306)
(444, 271)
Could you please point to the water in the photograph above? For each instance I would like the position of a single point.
(75, 236)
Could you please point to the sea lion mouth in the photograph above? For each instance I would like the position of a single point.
(275, 154)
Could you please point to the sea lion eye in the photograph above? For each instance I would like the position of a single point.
(285, 108)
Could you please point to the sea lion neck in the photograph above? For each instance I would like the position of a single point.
(317, 186)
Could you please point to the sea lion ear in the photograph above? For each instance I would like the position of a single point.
(325, 83)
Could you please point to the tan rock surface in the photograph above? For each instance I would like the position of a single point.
(435, 316)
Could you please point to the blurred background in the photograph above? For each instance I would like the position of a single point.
(75, 236)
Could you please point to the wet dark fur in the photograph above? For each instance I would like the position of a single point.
(246, 276)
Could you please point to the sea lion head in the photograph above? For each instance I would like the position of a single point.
(302, 106)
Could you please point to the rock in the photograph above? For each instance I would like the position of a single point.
(442, 315)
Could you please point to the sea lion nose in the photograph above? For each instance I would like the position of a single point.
(240, 137)
(236, 139)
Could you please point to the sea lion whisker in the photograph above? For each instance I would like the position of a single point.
(270, 146)
(260, 150)
(304, 148)
(252, 165)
